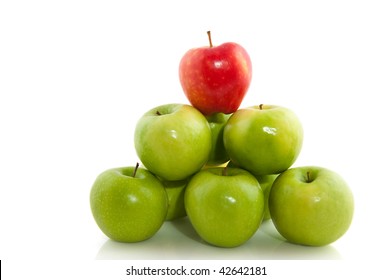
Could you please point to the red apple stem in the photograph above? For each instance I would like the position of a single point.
(210, 39)
(135, 170)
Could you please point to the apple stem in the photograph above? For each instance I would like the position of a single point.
(260, 106)
(210, 39)
(135, 170)
(158, 113)
(224, 172)
(308, 177)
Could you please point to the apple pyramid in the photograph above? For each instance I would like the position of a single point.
(221, 165)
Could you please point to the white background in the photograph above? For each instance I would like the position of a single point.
(75, 76)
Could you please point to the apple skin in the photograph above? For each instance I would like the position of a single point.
(264, 140)
(314, 209)
(266, 182)
(176, 198)
(225, 210)
(215, 79)
(173, 141)
(127, 208)
(218, 154)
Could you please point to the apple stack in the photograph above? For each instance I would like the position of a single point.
(227, 169)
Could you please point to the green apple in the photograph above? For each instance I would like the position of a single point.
(218, 154)
(224, 205)
(311, 205)
(263, 139)
(129, 204)
(173, 141)
(176, 198)
(266, 182)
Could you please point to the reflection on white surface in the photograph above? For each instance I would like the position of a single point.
(178, 240)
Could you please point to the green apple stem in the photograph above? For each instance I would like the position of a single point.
(308, 177)
(224, 172)
(135, 170)
(260, 106)
(158, 113)
(210, 39)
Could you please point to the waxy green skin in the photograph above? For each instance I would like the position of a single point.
(127, 208)
(176, 198)
(173, 141)
(225, 210)
(266, 182)
(315, 211)
(218, 154)
(263, 141)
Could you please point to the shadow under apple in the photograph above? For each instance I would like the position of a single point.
(184, 226)
(288, 251)
(178, 240)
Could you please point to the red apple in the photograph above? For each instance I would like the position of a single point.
(216, 79)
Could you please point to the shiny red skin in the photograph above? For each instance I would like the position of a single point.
(216, 79)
